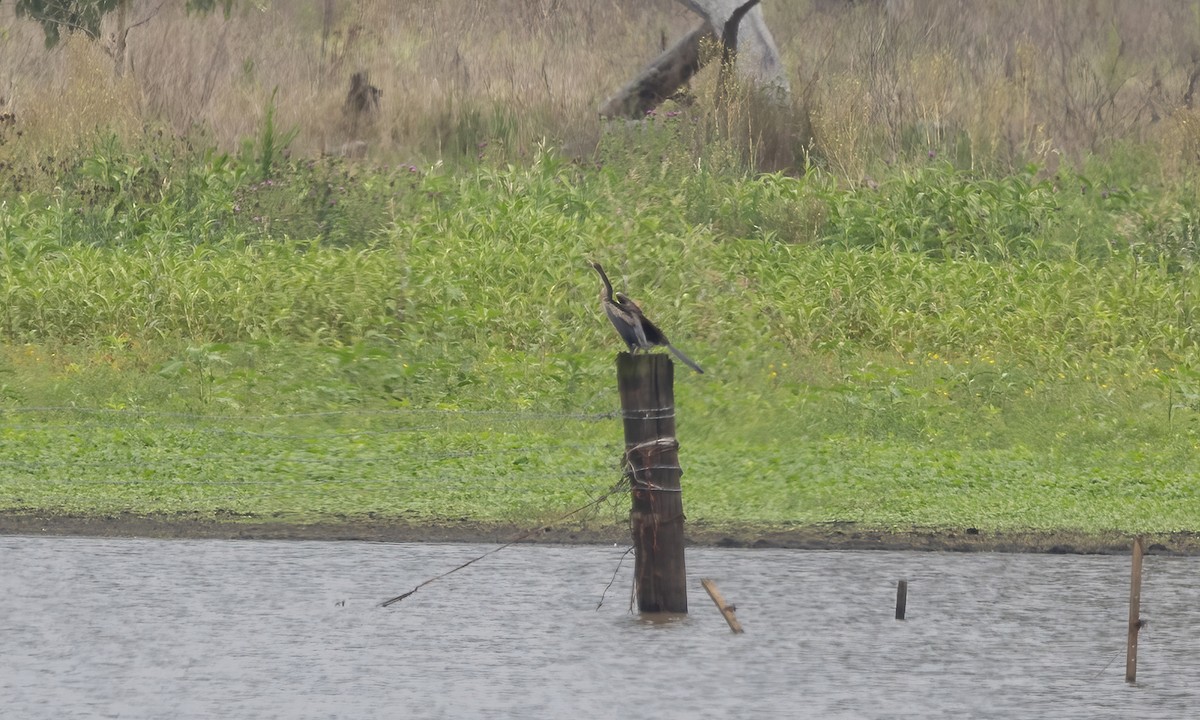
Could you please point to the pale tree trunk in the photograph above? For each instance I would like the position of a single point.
(116, 47)
(758, 58)
(119, 38)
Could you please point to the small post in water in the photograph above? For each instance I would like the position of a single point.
(901, 598)
(646, 384)
(1135, 612)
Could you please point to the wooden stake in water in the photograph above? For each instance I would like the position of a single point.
(646, 384)
(726, 609)
(1135, 612)
(901, 598)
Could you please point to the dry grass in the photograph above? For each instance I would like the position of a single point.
(990, 81)
(453, 73)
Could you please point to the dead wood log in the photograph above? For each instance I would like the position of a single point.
(661, 78)
(742, 29)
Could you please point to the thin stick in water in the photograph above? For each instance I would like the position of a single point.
(726, 609)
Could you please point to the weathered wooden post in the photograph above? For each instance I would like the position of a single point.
(646, 385)
(1135, 612)
(901, 598)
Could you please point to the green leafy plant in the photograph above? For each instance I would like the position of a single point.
(269, 148)
(946, 348)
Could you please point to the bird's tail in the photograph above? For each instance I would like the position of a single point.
(686, 360)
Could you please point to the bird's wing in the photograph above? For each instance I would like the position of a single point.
(648, 333)
(639, 327)
(626, 324)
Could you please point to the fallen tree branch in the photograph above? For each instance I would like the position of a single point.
(676, 65)
(661, 78)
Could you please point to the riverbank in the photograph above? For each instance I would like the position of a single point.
(831, 536)
(944, 350)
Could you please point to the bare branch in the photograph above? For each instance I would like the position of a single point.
(149, 16)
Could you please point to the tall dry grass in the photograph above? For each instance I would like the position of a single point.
(986, 81)
(995, 79)
(453, 73)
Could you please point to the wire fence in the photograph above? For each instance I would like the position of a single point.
(508, 463)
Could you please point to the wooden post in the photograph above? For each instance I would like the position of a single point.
(727, 610)
(901, 598)
(646, 385)
(1135, 612)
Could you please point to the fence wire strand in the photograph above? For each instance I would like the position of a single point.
(57, 451)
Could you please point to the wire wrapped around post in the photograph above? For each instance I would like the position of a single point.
(646, 385)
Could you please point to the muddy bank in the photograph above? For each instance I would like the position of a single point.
(373, 529)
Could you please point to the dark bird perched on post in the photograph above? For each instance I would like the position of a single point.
(638, 332)
(623, 319)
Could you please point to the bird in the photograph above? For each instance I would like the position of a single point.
(638, 332)
(622, 318)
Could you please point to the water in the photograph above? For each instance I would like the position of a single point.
(99, 628)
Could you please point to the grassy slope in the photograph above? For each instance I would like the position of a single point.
(944, 350)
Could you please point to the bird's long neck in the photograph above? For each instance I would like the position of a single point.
(607, 293)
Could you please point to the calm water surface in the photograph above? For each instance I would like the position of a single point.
(107, 628)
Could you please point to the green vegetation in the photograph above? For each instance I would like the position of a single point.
(196, 332)
(951, 283)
